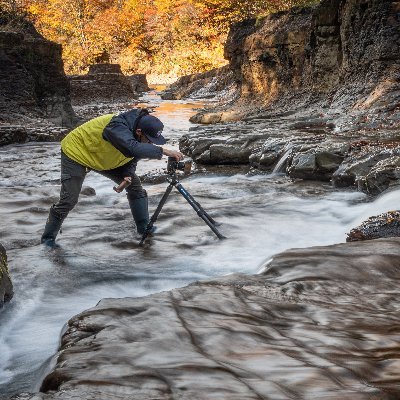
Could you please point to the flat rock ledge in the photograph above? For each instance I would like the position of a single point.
(316, 323)
(6, 288)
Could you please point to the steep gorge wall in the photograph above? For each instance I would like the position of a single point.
(342, 51)
(32, 79)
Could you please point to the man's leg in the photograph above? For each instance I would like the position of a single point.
(137, 196)
(72, 177)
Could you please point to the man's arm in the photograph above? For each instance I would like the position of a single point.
(173, 153)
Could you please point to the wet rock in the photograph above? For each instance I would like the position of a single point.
(12, 134)
(216, 117)
(88, 191)
(36, 130)
(227, 147)
(6, 288)
(380, 226)
(383, 175)
(225, 154)
(103, 82)
(317, 163)
(312, 321)
(365, 158)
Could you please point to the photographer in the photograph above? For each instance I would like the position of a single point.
(110, 145)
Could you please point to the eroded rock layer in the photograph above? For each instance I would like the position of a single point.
(344, 52)
(379, 226)
(103, 83)
(316, 322)
(32, 79)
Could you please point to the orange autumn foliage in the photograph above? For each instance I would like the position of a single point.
(164, 37)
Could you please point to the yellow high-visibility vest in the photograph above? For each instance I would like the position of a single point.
(86, 146)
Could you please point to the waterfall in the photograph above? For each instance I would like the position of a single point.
(280, 167)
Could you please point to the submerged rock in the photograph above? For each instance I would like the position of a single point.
(318, 320)
(6, 288)
(380, 226)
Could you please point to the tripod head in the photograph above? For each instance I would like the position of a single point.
(173, 166)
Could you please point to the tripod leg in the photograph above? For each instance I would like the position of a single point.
(154, 217)
(198, 205)
(199, 209)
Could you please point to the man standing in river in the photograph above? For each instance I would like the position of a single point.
(110, 145)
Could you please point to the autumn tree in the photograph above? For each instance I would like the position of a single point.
(173, 37)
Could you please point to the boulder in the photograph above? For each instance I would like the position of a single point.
(12, 134)
(374, 159)
(6, 288)
(383, 174)
(317, 163)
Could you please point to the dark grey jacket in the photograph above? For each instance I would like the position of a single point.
(120, 132)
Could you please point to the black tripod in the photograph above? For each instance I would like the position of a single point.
(173, 181)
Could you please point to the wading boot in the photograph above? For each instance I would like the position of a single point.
(53, 226)
(140, 212)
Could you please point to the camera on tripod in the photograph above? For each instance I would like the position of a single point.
(174, 165)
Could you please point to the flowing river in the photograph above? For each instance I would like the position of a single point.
(99, 257)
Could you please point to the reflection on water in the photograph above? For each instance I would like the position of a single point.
(99, 256)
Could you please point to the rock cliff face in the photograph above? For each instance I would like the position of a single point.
(32, 79)
(319, 96)
(342, 52)
(6, 289)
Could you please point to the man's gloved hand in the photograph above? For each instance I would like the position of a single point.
(173, 153)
